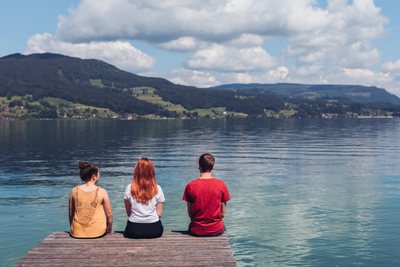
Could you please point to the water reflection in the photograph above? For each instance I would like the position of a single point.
(304, 192)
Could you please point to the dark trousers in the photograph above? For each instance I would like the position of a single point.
(143, 230)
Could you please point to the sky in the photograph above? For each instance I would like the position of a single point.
(212, 42)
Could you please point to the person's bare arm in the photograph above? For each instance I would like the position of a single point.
(71, 207)
(223, 208)
(128, 207)
(159, 209)
(108, 211)
(189, 209)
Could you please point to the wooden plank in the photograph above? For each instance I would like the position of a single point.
(172, 249)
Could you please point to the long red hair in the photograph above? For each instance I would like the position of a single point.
(144, 184)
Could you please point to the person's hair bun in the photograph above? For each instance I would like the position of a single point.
(83, 165)
(87, 170)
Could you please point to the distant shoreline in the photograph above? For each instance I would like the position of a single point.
(184, 119)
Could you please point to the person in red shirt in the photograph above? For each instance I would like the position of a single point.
(206, 199)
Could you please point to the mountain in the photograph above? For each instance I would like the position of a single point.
(67, 69)
(58, 86)
(89, 82)
(355, 93)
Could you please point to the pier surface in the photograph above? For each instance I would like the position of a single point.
(172, 249)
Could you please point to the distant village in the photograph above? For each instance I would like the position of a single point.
(21, 110)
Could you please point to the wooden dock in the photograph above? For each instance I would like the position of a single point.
(172, 249)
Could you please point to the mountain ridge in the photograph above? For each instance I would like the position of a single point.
(356, 93)
(56, 85)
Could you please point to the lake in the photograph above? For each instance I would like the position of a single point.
(304, 192)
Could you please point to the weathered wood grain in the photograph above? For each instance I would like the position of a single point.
(172, 249)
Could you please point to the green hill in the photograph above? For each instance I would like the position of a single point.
(355, 93)
(57, 86)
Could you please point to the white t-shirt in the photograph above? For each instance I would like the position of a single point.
(144, 213)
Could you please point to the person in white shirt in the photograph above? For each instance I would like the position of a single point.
(144, 200)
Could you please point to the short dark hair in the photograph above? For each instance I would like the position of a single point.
(87, 170)
(206, 162)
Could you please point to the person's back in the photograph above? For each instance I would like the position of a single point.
(89, 206)
(206, 198)
(89, 219)
(143, 200)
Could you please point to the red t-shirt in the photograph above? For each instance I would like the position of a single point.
(206, 197)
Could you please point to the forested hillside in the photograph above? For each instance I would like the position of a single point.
(58, 86)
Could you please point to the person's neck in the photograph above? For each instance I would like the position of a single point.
(89, 184)
(205, 175)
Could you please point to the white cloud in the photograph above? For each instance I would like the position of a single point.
(358, 73)
(359, 55)
(308, 71)
(119, 53)
(223, 58)
(278, 74)
(392, 66)
(246, 40)
(180, 44)
(243, 78)
(230, 41)
(207, 20)
(193, 78)
(311, 57)
(366, 76)
(344, 37)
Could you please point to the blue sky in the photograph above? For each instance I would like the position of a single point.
(210, 42)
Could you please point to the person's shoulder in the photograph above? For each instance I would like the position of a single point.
(160, 190)
(73, 190)
(102, 191)
(127, 189)
(219, 181)
(160, 193)
(192, 183)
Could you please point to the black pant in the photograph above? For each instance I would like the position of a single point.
(143, 230)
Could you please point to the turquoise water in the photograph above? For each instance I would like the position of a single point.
(304, 192)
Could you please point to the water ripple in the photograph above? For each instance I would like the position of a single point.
(304, 192)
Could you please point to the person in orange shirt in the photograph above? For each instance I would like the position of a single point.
(90, 213)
